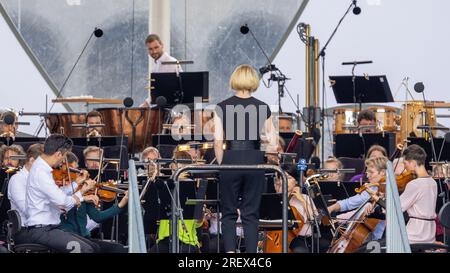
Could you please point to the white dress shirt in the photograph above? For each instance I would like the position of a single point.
(44, 200)
(158, 67)
(17, 188)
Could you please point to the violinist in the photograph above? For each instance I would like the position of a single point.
(419, 198)
(44, 201)
(18, 183)
(70, 188)
(76, 220)
(305, 206)
(7, 151)
(374, 151)
(375, 171)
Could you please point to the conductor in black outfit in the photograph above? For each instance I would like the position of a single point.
(242, 124)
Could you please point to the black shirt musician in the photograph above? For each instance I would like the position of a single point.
(246, 123)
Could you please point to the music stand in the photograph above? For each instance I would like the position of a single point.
(180, 87)
(25, 142)
(187, 191)
(367, 89)
(338, 190)
(356, 145)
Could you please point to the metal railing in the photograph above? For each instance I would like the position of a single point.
(136, 235)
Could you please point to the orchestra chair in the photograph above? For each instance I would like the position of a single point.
(14, 226)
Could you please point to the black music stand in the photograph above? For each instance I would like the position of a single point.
(367, 90)
(180, 87)
(356, 145)
(338, 190)
(187, 191)
(271, 207)
(100, 141)
(440, 143)
(25, 142)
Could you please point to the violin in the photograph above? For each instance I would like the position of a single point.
(107, 191)
(64, 175)
(401, 180)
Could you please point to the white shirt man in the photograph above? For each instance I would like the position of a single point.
(156, 51)
(17, 187)
(44, 200)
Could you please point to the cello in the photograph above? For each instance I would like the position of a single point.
(273, 243)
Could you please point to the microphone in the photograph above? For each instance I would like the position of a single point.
(315, 162)
(244, 29)
(356, 9)
(419, 87)
(128, 102)
(161, 101)
(98, 32)
(9, 118)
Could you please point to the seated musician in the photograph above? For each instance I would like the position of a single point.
(307, 210)
(92, 156)
(285, 124)
(419, 198)
(80, 219)
(271, 149)
(367, 118)
(7, 151)
(374, 151)
(18, 184)
(194, 150)
(332, 163)
(150, 154)
(45, 201)
(8, 130)
(375, 170)
(94, 118)
(187, 232)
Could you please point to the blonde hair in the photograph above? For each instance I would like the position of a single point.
(244, 78)
(379, 163)
(335, 160)
(148, 150)
(90, 149)
(339, 165)
(14, 148)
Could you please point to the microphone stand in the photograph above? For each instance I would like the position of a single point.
(322, 55)
(68, 76)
